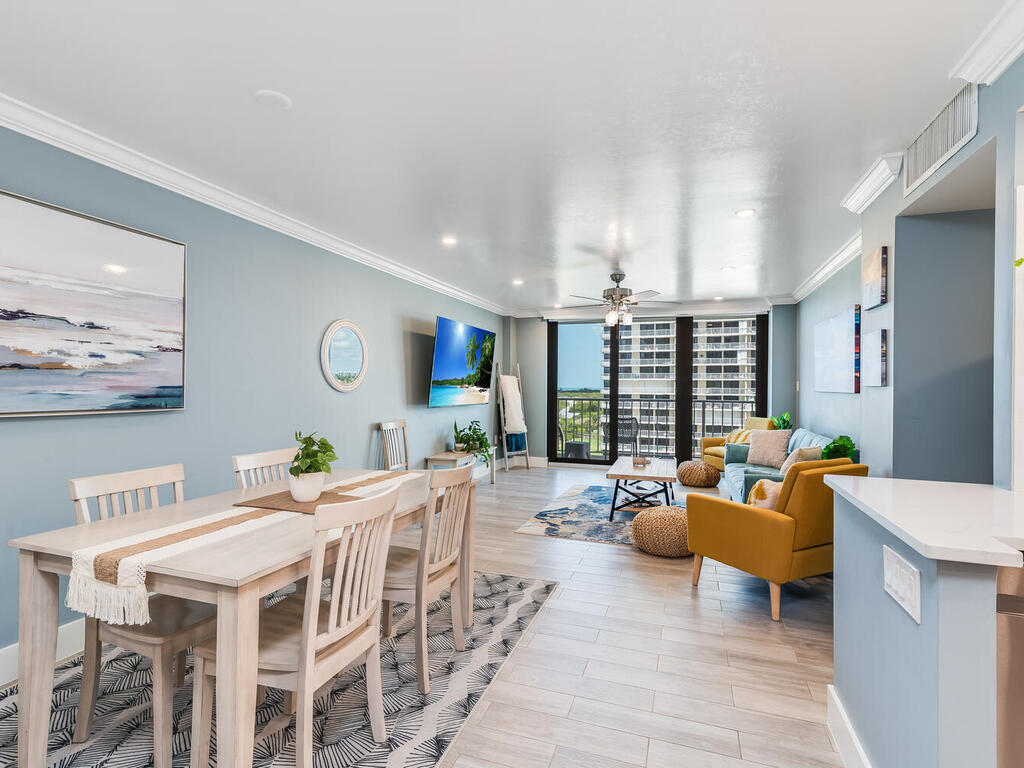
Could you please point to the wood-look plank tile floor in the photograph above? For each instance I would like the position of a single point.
(627, 665)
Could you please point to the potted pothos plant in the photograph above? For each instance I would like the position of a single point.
(840, 448)
(311, 464)
(784, 421)
(473, 439)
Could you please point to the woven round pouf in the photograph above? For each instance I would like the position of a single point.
(698, 474)
(661, 531)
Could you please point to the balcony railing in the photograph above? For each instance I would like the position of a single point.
(646, 427)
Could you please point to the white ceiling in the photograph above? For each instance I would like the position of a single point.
(548, 136)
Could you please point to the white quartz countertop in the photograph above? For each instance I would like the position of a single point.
(960, 522)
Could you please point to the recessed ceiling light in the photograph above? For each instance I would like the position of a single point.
(449, 240)
(558, 306)
(517, 281)
(744, 213)
(719, 298)
(273, 98)
(728, 268)
(116, 269)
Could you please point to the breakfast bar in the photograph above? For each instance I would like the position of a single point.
(916, 566)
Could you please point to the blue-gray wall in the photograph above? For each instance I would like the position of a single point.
(943, 374)
(997, 113)
(782, 361)
(258, 303)
(529, 346)
(913, 701)
(828, 413)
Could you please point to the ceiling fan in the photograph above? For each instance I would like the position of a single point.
(619, 300)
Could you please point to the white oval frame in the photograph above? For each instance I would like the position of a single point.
(325, 355)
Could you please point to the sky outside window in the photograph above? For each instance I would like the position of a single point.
(579, 356)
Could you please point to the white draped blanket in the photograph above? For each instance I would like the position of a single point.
(512, 402)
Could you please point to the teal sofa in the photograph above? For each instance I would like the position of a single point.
(740, 476)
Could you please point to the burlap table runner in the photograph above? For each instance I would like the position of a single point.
(108, 580)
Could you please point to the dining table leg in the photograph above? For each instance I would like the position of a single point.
(238, 626)
(466, 572)
(37, 649)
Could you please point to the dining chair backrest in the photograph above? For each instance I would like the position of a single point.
(441, 539)
(357, 580)
(395, 438)
(261, 468)
(121, 493)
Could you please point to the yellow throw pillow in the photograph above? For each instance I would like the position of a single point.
(765, 494)
(738, 436)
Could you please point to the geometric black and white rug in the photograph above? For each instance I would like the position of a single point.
(419, 728)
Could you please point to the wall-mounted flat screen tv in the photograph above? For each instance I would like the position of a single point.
(463, 358)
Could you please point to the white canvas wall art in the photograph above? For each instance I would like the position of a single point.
(875, 277)
(874, 363)
(92, 314)
(837, 352)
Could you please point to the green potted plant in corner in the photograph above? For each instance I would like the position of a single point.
(311, 463)
(782, 422)
(473, 439)
(840, 448)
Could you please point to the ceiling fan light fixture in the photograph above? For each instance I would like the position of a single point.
(612, 317)
(627, 317)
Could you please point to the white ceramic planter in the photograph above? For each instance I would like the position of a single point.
(306, 487)
(460, 446)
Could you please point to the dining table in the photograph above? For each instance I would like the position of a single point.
(235, 575)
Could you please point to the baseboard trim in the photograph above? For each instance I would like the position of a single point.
(70, 640)
(519, 460)
(843, 735)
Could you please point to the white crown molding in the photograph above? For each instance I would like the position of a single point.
(784, 298)
(847, 253)
(996, 48)
(28, 120)
(880, 175)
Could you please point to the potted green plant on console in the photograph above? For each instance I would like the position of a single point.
(311, 463)
(473, 439)
(840, 448)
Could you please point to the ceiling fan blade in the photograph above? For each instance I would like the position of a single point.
(586, 298)
(642, 296)
(582, 306)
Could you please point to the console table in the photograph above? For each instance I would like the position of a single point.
(455, 459)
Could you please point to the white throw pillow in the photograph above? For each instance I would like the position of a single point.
(801, 454)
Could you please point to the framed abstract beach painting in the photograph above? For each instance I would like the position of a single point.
(92, 314)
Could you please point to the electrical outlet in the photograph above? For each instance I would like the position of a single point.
(902, 582)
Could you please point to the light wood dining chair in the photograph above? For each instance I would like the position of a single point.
(395, 437)
(175, 623)
(252, 469)
(305, 641)
(418, 576)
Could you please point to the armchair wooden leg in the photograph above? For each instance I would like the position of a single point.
(698, 561)
(776, 593)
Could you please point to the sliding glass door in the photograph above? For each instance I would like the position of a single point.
(652, 388)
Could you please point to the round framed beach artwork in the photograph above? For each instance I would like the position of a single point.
(343, 355)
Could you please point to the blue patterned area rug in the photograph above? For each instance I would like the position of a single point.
(419, 728)
(581, 512)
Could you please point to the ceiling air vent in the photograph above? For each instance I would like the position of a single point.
(953, 127)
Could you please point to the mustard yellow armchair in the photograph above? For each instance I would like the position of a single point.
(791, 542)
(712, 449)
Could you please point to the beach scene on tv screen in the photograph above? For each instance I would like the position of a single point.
(463, 358)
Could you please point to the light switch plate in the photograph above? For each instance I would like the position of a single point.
(902, 582)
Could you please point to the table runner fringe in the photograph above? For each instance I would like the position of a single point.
(128, 604)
